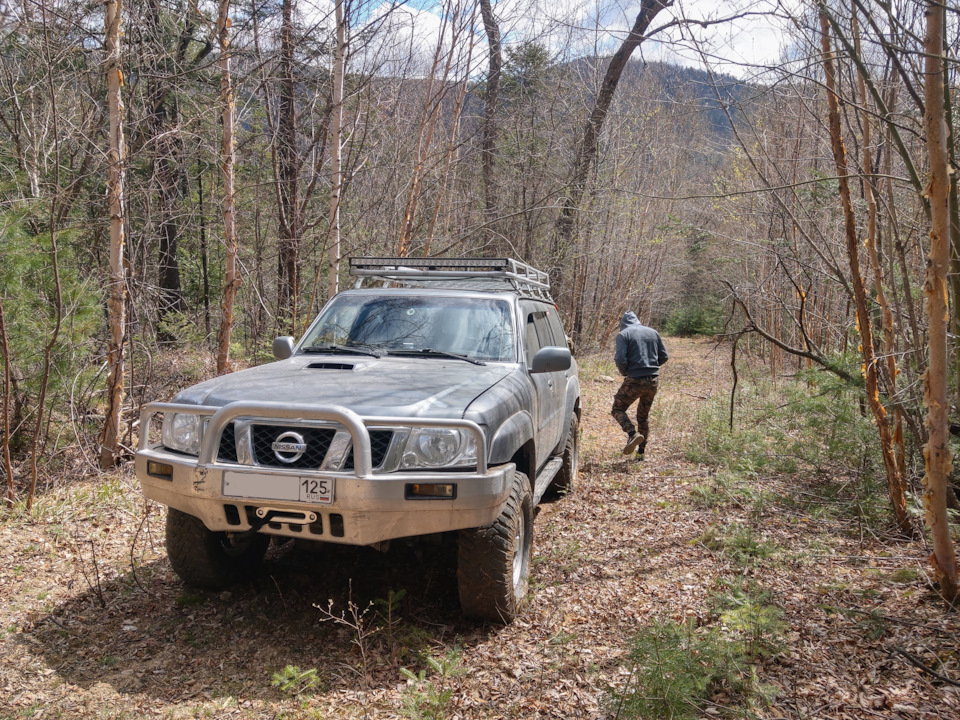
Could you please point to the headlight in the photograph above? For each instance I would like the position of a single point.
(182, 431)
(439, 447)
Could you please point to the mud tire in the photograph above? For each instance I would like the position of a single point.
(569, 474)
(493, 563)
(207, 559)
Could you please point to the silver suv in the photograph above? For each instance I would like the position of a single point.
(437, 395)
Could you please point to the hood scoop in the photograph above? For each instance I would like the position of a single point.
(330, 366)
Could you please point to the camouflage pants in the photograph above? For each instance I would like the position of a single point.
(641, 390)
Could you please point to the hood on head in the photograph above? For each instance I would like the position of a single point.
(629, 318)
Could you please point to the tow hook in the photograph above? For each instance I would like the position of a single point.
(266, 515)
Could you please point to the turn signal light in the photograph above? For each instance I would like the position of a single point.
(444, 491)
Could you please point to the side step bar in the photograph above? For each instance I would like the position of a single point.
(545, 477)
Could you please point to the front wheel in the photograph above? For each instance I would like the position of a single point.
(207, 559)
(493, 564)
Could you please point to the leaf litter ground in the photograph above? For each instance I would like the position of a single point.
(96, 625)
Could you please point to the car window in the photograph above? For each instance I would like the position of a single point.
(543, 329)
(533, 341)
(479, 328)
(559, 336)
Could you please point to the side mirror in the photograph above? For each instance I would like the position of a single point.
(283, 347)
(551, 359)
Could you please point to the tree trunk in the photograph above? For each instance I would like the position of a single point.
(937, 451)
(954, 274)
(168, 168)
(7, 462)
(336, 177)
(288, 180)
(587, 150)
(895, 483)
(491, 93)
(35, 445)
(116, 304)
(204, 257)
(231, 281)
(886, 314)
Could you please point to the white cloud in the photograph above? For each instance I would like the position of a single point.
(400, 37)
(742, 37)
(749, 32)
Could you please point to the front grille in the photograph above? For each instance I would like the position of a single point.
(379, 443)
(228, 445)
(317, 441)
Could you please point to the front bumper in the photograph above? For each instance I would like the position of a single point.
(365, 508)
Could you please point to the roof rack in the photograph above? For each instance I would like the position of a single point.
(485, 274)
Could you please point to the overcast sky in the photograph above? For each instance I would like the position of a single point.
(572, 28)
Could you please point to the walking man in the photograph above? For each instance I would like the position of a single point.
(640, 353)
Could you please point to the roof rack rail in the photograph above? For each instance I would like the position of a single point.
(463, 273)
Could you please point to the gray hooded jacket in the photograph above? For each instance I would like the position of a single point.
(640, 351)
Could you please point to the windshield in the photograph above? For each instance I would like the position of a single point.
(477, 328)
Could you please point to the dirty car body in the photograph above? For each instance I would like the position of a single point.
(403, 411)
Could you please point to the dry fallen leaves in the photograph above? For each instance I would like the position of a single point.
(618, 552)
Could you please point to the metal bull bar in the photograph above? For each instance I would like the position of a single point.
(351, 421)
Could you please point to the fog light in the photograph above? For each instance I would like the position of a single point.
(159, 470)
(446, 491)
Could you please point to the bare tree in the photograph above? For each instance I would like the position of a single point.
(586, 151)
(336, 147)
(895, 482)
(116, 304)
(231, 279)
(490, 98)
(937, 451)
(7, 463)
(288, 179)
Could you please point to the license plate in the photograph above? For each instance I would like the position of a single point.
(318, 491)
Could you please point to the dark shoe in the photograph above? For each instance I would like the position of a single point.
(639, 457)
(633, 443)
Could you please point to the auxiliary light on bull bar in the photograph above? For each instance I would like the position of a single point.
(428, 491)
(160, 470)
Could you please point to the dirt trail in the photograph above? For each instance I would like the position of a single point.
(87, 636)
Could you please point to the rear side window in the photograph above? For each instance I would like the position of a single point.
(544, 332)
(542, 328)
(559, 336)
(532, 338)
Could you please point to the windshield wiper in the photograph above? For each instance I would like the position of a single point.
(347, 349)
(440, 353)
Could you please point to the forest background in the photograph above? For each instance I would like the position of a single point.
(180, 182)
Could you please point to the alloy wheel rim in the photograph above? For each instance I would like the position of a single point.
(520, 553)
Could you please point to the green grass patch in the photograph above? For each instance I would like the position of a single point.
(429, 692)
(292, 680)
(676, 669)
(813, 428)
(812, 425)
(741, 544)
(904, 576)
(190, 599)
(748, 614)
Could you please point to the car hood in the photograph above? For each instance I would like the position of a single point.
(390, 386)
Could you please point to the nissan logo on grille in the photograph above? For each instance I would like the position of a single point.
(289, 447)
